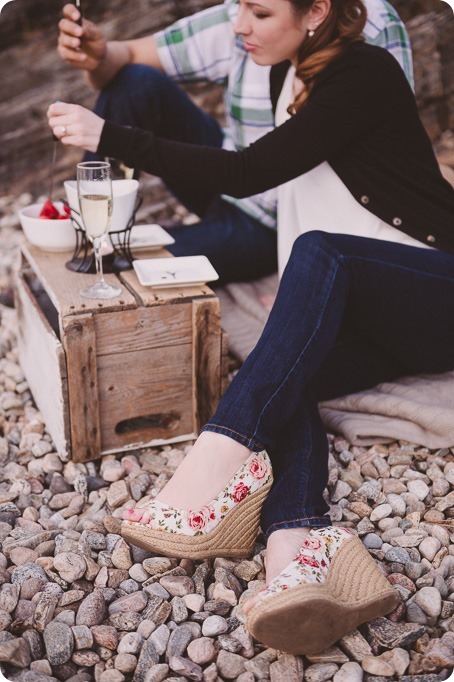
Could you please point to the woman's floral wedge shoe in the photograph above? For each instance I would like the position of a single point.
(332, 586)
(226, 527)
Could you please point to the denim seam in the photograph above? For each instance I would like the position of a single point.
(278, 524)
(305, 472)
(297, 361)
(252, 443)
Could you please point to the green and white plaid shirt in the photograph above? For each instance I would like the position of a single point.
(204, 46)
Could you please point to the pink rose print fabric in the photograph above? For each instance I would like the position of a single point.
(198, 520)
(241, 491)
(312, 562)
(255, 473)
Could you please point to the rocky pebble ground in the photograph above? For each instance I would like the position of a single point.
(77, 603)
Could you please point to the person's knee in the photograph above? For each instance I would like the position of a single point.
(315, 247)
(133, 97)
(308, 242)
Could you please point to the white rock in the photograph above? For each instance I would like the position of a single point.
(418, 488)
(70, 566)
(381, 512)
(131, 643)
(399, 659)
(429, 600)
(350, 672)
(376, 665)
(112, 471)
(137, 572)
(440, 533)
(214, 625)
(341, 490)
(194, 602)
(449, 472)
(440, 487)
(397, 504)
(429, 547)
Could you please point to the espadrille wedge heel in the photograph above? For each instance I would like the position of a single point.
(331, 587)
(226, 527)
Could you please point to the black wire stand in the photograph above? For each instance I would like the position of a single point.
(83, 258)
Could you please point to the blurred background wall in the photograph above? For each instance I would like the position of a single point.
(32, 76)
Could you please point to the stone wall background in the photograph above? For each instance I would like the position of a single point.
(32, 76)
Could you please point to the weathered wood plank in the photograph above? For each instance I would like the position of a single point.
(42, 359)
(151, 389)
(63, 285)
(143, 328)
(206, 358)
(80, 346)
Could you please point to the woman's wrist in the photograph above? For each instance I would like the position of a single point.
(116, 55)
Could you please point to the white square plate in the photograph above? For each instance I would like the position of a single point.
(151, 237)
(174, 272)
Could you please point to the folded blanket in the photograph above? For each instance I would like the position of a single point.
(416, 409)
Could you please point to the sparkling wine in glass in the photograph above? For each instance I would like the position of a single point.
(94, 188)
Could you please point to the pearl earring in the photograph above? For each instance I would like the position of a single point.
(310, 33)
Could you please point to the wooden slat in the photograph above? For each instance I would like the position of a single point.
(153, 381)
(63, 285)
(143, 328)
(80, 345)
(206, 357)
(42, 359)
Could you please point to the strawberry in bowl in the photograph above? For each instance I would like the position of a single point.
(50, 212)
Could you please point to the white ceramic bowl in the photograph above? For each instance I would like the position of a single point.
(49, 235)
(124, 199)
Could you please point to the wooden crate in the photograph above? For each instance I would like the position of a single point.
(145, 368)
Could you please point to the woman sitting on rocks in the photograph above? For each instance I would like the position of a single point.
(367, 296)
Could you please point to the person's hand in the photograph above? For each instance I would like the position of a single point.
(83, 47)
(75, 126)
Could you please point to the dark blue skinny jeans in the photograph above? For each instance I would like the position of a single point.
(350, 312)
(240, 247)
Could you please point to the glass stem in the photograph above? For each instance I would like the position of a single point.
(97, 243)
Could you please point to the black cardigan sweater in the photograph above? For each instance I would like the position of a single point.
(361, 117)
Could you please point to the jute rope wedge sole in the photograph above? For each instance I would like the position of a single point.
(234, 536)
(310, 618)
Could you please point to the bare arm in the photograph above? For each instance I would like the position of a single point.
(85, 47)
(121, 53)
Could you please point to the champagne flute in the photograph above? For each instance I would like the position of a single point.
(94, 188)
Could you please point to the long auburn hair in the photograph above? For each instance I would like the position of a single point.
(343, 26)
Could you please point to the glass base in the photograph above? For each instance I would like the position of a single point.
(101, 289)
